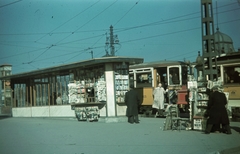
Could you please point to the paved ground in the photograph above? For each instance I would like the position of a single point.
(68, 136)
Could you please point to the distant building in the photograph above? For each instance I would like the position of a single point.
(223, 43)
(5, 89)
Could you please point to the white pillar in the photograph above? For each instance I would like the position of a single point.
(110, 84)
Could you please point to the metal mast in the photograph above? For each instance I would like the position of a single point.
(110, 43)
(208, 42)
(112, 49)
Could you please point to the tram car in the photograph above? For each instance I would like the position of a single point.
(229, 73)
(172, 74)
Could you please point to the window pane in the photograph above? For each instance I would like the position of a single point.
(144, 79)
(232, 74)
(174, 76)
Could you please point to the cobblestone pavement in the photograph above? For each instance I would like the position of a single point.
(67, 135)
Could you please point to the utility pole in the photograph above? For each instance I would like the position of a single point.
(110, 43)
(208, 42)
(91, 53)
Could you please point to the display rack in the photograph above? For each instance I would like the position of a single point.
(121, 81)
(202, 98)
(122, 86)
(100, 90)
(87, 91)
(199, 121)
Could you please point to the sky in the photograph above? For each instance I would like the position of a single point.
(37, 34)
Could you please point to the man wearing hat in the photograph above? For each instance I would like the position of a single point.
(132, 101)
(217, 111)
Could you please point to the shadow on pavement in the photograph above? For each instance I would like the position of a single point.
(237, 129)
(4, 117)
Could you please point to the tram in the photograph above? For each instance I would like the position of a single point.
(228, 77)
(229, 74)
(173, 76)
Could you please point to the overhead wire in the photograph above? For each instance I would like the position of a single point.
(103, 46)
(148, 37)
(167, 21)
(129, 28)
(140, 38)
(153, 24)
(88, 21)
(18, 54)
(67, 54)
(57, 28)
(69, 19)
(10, 3)
(182, 54)
(152, 37)
(126, 13)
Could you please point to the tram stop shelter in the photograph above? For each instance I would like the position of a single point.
(100, 82)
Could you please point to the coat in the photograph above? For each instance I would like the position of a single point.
(132, 101)
(158, 95)
(216, 108)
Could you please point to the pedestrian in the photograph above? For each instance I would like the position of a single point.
(132, 101)
(158, 96)
(217, 111)
(59, 99)
(175, 79)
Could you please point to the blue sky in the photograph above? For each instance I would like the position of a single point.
(36, 34)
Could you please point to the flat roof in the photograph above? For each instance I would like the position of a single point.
(5, 65)
(156, 64)
(68, 67)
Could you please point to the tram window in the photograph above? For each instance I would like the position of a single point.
(131, 79)
(174, 76)
(144, 80)
(232, 74)
(184, 75)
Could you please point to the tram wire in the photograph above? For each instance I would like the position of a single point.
(137, 39)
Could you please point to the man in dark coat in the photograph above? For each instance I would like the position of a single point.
(132, 101)
(217, 111)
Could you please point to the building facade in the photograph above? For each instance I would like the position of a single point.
(100, 81)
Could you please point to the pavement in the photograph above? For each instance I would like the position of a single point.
(69, 136)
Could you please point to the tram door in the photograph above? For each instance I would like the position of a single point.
(174, 75)
(143, 81)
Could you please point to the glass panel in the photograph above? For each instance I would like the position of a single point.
(174, 76)
(131, 79)
(232, 74)
(144, 79)
(37, 95)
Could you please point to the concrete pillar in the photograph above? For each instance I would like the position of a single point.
(110, 84)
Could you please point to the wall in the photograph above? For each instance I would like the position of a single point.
(44, 111)
(121, 110)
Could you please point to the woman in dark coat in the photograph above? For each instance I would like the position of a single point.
(217, 111)
(132, 101)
